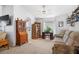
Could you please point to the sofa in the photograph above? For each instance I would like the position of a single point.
(66, 44)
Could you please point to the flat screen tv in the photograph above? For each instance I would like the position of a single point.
(6, 18)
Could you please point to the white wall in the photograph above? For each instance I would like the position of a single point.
(63, 18)
(21, 12)
(0, 10)
(8, 9)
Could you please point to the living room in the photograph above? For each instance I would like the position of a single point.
(52, 19)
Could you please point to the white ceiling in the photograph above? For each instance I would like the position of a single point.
(52, 10)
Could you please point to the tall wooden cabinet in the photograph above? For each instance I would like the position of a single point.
(36, 30)
(21, 34)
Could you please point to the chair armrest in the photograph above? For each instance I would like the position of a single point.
(58, 35)
(58, 42)
(62, 49)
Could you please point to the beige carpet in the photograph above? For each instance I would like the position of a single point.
(39, 46)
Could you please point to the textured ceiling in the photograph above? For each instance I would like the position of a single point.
(51, 10)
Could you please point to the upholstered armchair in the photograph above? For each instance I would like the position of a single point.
(62, 49)
(3, 40)
(67, 47)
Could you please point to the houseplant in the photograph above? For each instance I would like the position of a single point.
(48, 29)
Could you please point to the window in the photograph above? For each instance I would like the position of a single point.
(48, 24)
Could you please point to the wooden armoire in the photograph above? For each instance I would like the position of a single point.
(21, 34)
(36, 30)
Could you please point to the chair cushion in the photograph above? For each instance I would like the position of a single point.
(58, 41)
(3, 42)
(62, 32)
(2, 35)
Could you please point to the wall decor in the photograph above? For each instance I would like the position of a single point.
(77, 17)
(60, 24)
(71, 22)
(74, 17)
(6, 19)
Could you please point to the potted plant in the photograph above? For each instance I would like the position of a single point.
(48, 29)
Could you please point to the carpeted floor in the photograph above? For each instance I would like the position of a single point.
(39, 46)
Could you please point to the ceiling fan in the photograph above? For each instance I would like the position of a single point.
(44, 9)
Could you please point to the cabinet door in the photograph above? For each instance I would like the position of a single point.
(23, 38)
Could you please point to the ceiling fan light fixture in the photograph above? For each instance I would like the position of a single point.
(43, 11)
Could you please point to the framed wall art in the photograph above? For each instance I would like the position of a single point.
(60, 24)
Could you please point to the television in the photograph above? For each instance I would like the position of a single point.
(6, 18)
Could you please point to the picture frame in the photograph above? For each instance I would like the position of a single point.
(60, 24)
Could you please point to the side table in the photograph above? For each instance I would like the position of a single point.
(44, 34)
